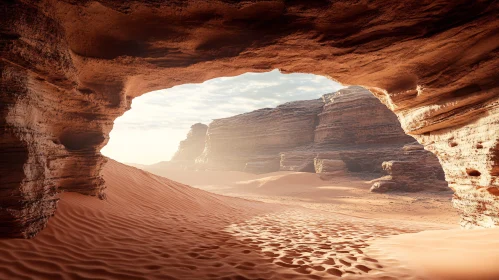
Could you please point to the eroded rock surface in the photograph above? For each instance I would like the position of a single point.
(352, 132)
(354, 117)
(253, 141)
(69, 68)
(414, 170)
(301, 161)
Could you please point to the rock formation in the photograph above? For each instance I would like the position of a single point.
(253, 141)
(301, 161)
(329, 167)
(415, 170)
(350, 126)
(359, 130)
(69, 68)
(192, 147)
(354, 117)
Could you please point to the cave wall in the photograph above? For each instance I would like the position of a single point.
(69, 68)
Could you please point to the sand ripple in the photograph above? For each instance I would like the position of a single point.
(322, 245)
(153, 228)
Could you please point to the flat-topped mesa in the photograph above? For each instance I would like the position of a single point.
(354, 117)
(253, 141)
(193, 145)
(69, 68)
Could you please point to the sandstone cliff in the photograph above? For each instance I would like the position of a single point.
(350, 125)
(253, 141)
(192, 147)
(354, 117)
(346, 131)
(414, 170)
(69, 68)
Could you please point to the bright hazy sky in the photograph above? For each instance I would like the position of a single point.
(151, 131)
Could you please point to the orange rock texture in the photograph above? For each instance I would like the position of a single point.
(69, 68)
(353, 116)
(413, 170)
(350, 126)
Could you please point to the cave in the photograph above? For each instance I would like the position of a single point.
(78, 65)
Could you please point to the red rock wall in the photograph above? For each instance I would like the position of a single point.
(255, 139)
(354, 117)
(78, 64)
(413, 170)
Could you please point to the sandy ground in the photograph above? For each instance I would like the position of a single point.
(154, 228)
(343, 194)
(444, 254)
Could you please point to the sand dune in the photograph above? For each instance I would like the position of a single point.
(148, 228)
(154, 228)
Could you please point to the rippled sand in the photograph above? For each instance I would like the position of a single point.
(154, 228)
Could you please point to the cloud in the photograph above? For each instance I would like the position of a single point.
(170, 113)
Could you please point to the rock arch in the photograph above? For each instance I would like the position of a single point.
(74, 66)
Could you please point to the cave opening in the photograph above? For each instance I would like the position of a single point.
(68, 69)
(158, 121)
(272, 123)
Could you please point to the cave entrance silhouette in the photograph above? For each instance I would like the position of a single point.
(334, 132)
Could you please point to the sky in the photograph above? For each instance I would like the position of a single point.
(151, 131)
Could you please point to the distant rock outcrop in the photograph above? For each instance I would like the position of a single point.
(346, 131)
(354, 117)
(253, 141)
(192, 147)
(414, 170)
(329, 167)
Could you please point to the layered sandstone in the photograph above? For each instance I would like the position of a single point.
(353, 127)
(329, 167)
(352, 132)
(367, 160)
(193, 145)
(349, 125)
(69, 68)
(351, 122)
(354, 117)
(414, 170)
(253, 141)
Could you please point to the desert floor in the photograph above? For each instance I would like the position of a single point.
(282, 225)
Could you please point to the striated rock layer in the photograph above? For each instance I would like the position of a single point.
(354, 117)
(69, 68)
(414, 170)
(350, 126)
(252, 141)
